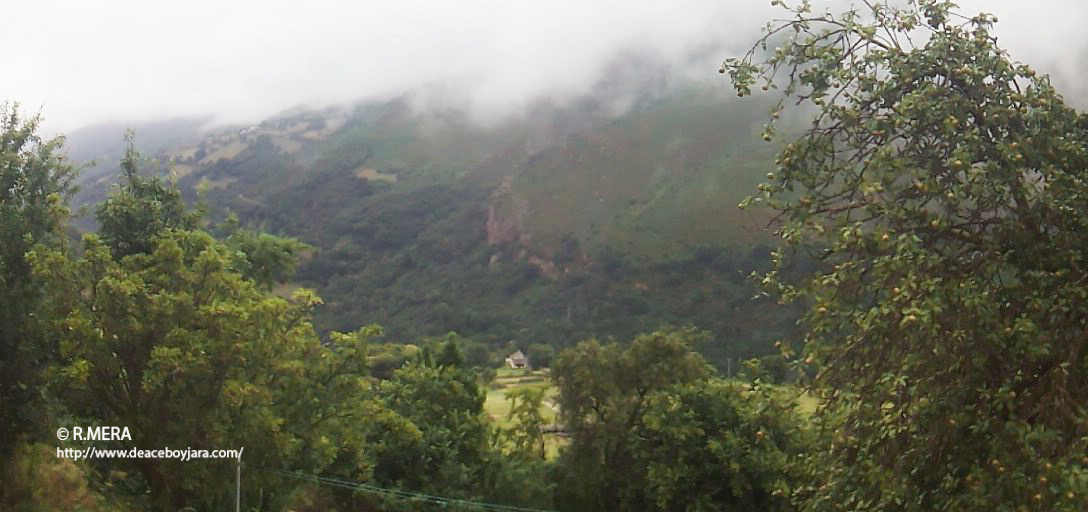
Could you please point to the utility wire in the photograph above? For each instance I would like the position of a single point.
(396, 493)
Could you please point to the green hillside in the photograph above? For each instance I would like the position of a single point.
(565, 223)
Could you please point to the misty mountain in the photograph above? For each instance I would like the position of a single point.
(602, 216)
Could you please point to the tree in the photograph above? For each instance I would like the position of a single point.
(158, 329)
(385, 358)
(451, 354)
(718, 445)
(269, 260)
(603, 394)
(652, 430)
(141, 209)
(541, 354)
(518, 471)
(35, 182)
(434, 437)
(527, 432)
(941, 188)
(437, 439)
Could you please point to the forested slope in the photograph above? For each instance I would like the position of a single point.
(566, 222)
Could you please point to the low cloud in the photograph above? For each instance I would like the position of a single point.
(241, 61)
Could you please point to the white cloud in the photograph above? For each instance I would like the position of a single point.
(244, 60)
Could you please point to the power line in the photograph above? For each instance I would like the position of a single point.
(396, 493)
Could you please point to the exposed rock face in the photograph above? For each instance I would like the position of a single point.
(505, 214)
(505, 223)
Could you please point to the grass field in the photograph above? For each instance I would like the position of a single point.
(497, 405)
(807, 403)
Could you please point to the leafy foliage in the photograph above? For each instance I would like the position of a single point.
(39, 481)
(141, 210)
(268, 259)
(942, 187)
(651, 430)
(35, 181)
(719, 445)
(160, 331)
(438, 440)
(527, 432)
(603, 394)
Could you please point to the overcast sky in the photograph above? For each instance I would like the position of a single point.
(84, 61)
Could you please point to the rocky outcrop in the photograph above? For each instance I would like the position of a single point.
(506, 224)
(505, 214)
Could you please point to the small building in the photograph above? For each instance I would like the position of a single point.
(517, 360)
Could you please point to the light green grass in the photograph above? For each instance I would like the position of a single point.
(507, 372)
(807, 403)
(497, 404)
